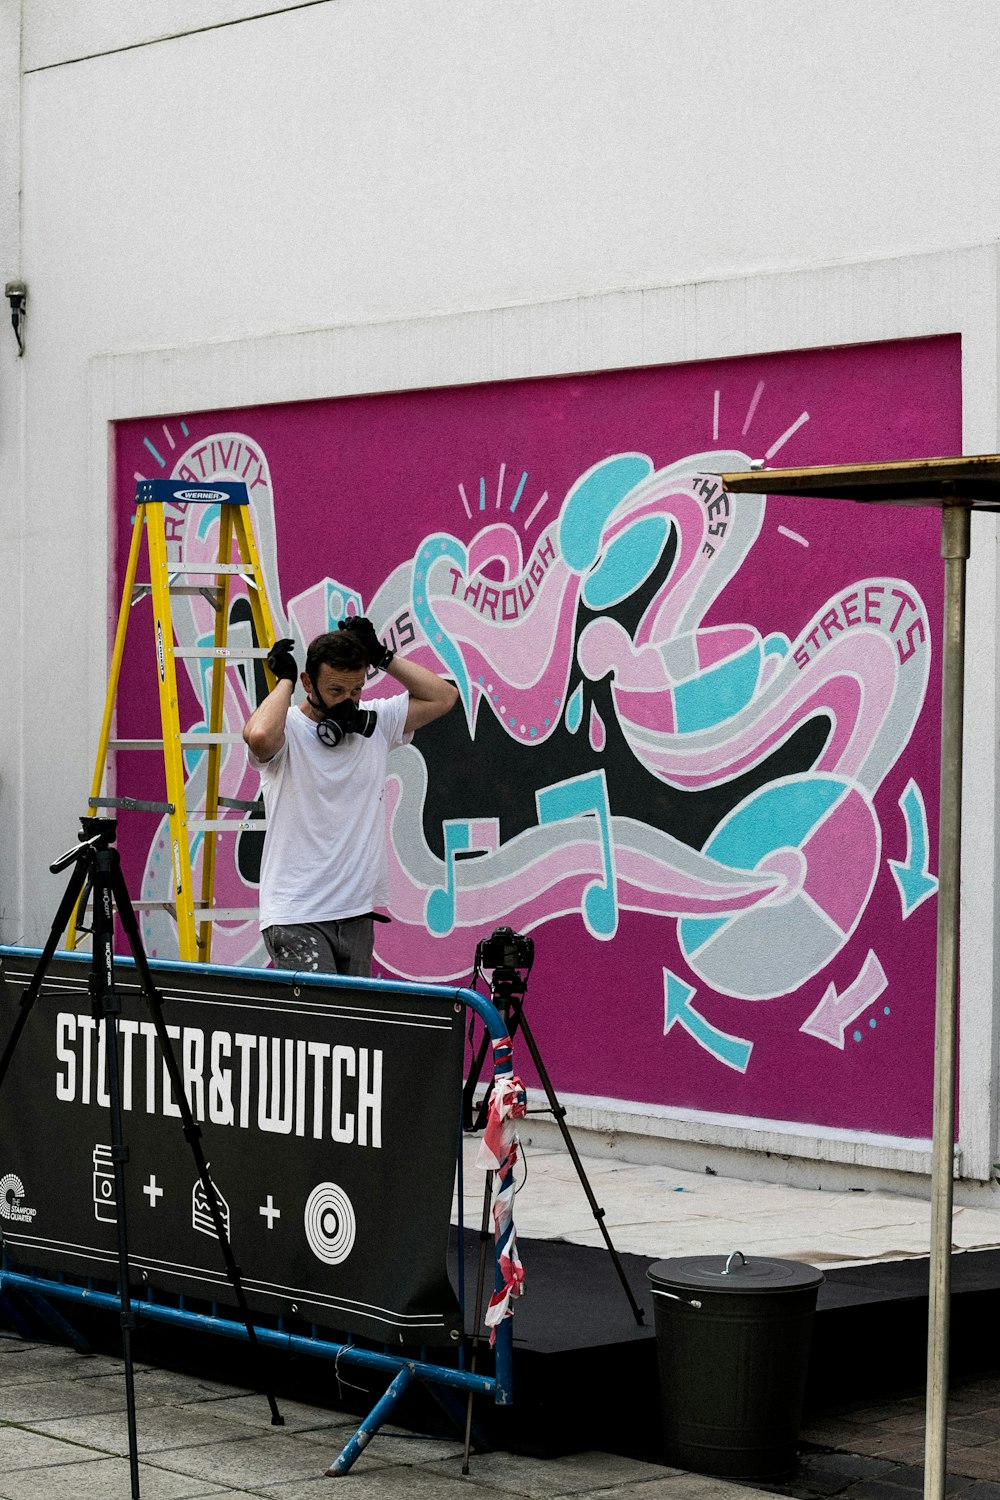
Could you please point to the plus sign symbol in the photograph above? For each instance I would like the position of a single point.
(152, 1192)
(269, 1211)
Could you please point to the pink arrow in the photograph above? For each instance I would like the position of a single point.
(834, 1013)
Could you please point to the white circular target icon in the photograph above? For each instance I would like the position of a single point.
(330, 1224)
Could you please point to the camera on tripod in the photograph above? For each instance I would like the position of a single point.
(505, 949)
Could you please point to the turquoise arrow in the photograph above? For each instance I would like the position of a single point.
(731, 1050)
(912, 875)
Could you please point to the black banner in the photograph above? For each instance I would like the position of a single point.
(330, 1122)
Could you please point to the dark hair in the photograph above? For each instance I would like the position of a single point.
(339, 649)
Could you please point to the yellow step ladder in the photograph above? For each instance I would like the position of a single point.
(170, 576)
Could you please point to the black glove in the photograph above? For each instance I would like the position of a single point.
(282, 662)
(363, 630)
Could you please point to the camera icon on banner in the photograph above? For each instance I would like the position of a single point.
(105, 1201)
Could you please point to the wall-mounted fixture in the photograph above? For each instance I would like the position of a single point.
(17, 295)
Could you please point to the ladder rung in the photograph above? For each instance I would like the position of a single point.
(227, 825)
(197, 740)
(226, 914)
(210, 739)
(234, 802)
(241, 652)
(131, 804)
(206, 590)
(243, 570)
(202, 914)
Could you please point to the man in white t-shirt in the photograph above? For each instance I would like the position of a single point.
(322, 770)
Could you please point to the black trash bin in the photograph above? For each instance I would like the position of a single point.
(732, 1338)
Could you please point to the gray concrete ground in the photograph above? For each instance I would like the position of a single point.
(63, 1436)
(876, 1452)
(62, 1416)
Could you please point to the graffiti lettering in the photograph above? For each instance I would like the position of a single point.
(401, 633)
(914, 632)
(717, 511)
(721, 504)
(513, 601)
(869, 606)
(234, 457)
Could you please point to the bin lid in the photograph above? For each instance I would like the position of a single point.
(750, 1274)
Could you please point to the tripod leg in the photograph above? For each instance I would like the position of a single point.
(107, 1007)
(559, 1114)
(76, 883)
(475, 1072)
(190, 1127)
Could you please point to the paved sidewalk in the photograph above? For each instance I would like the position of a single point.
(876, 1452)
(63, 1436)
(62, 1421)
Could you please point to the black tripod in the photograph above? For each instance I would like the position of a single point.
(97, 867)
(508, 986)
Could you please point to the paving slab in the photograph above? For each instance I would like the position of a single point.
(253, 1462)
(974, 1429)
(22, 1449)
(173, 1386)
(390, 1445)
(253, 1411)
(104, 1479)
(376, 1484)
(831, 1473)
(904, 1449)
(157, 1429)
(36, 1362)
(578, 1473)
(911, 1477)
(982, 1462)
(61, 1398)
(879, 1489)
(676, 1484)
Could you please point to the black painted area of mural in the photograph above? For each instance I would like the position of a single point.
(458, 787)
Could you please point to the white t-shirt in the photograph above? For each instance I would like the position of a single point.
(325, 845)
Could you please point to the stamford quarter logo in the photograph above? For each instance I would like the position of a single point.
(11, 1193)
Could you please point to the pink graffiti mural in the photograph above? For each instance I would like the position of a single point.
(696, 749)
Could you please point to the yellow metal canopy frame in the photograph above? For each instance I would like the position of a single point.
(956, 487)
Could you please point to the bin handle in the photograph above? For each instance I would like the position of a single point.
(731, 1259)
(688, 1301)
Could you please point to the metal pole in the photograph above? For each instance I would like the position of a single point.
(955, 530)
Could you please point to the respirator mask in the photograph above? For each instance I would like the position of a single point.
(344, 718)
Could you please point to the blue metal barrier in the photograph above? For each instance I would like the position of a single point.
(403, 1371)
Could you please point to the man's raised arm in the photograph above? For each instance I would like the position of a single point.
(264, 731)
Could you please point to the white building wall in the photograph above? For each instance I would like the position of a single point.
(223, 185)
